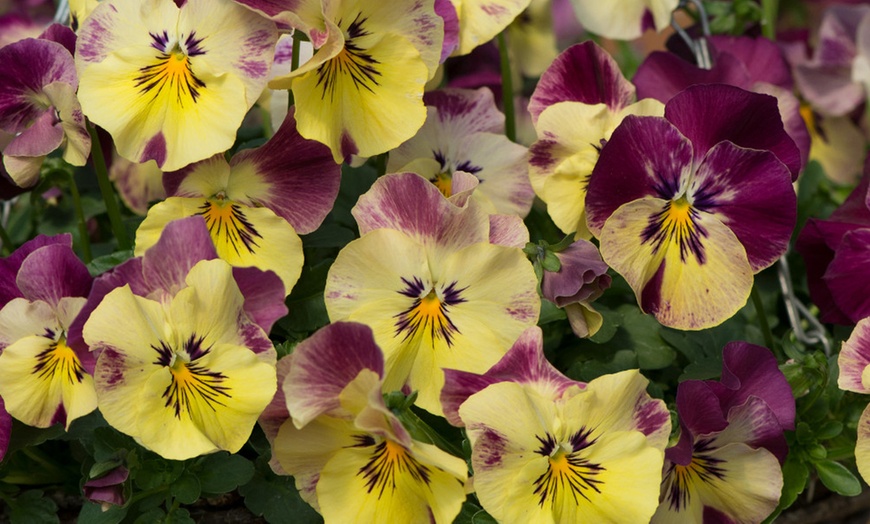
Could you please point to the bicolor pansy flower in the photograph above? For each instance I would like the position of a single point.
(425, 277)
(169, 83)
(38, 105)
(727, 464)
(352, 459)
(255, 204)
(43, 380)
(545, 448)
(160, 273)
(688, 207)
(361, 92)
(584, 84)
(624, 19)
(481, 20)
(854, 362)
(181, 376)
(532, 38)
(464, 131)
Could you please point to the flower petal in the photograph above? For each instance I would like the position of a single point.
(854, 358)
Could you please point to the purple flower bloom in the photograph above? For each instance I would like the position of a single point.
(727, 462)
(108, 489)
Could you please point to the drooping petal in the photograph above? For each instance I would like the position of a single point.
(582, 275)
(752, 121)
(685, 266)
(645, 157)
(751, 193)
(582, 73)
(324, 364)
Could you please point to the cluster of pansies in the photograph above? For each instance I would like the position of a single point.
(359, 269)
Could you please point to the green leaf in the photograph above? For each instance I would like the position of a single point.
(222, 472)
(186, 489)
(179, 516)
(104, 263)
(837, 478)
(276, 499)
(550, 312)
(794, 479)
(471, 513)
(551, 262)
(643, 331)
(704, 369)
(92, 513)
(31, 507)
(156, 473)
(829, 430)
(612, 320)
(152, 516)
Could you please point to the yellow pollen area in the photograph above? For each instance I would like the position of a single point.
(170, 75)
(59, 361)
(389, 460)
(679, 214)
(809, 119)
(559, 463)
(444, 183)
(233, 235)
(430, 306)
(193, 388)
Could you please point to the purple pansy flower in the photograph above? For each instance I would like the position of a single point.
(108, 489)
(726, 466)
(688, 207)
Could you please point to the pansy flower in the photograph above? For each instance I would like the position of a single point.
(138, 184)
(727, 464)
(255, 204)
(853, 362)
(181, 376)
(171, 82)
(464, 131)
(425, 277)
(361, 92)
(624, 19)
(584, 84)
(688, 207)
(545, 448)
(38, 104)
(43, 286)
(481, 20)
(352, 459)
(835, 251)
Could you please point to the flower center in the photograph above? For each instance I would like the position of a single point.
(568, 470)
(444, 182)
(59, 361)
(230, 229)
(192, 387)
(428, 314)
(353, 62)
(676, 224)
(389, 460)
(170, 75)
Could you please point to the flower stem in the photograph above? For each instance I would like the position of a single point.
(84, 238)
(112, 207)
(769, 9)
(6, 247)
(507, 89)
(762, 318)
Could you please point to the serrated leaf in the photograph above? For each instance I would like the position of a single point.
(222, 472)
(837, 478)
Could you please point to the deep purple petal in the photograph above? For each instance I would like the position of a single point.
(264, 295)
(10, 265)
(303, 184)
(61, 34)
(581, 277)
(182, 244)
(5, 429)
(699, 408)
(28, 66)
(662, 75)
(52, 272)
(749, 370)
(582, 73)
(325, 363)
(750, 192)
(847, 278)
(645, 156)
(762, 58)
(709, 114)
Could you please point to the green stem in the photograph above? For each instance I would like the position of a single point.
(294, 58)
(112, 207)
(84, 238)
(769, 9)
(6, 248)
(507, 89)
(762, 318)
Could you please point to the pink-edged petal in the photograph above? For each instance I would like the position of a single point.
(302, 186)
(324, 364)
(749, 370)
(264, 295)
(53, 272)
(445, 9)
(709, 114)
(854, 358)
(409, 203)
(645, 156)
(582, 73)
(5, 429)
(751, 193)
(182, 244)
(466, 111)
(10, 265)
(508, 230)
(524, 363)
